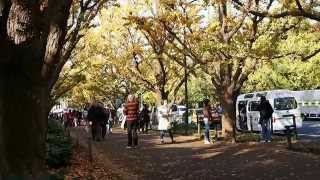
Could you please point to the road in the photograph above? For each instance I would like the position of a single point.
(310, 129)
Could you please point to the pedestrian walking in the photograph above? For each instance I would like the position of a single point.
(131, 111)
(207, 119)
(98, 115)
(110, 119)
(121, 116)
(145, 116)
(74, 118)
(154, 117)
(164, 123)
(266, 111)
(79, 118)
(68, 121)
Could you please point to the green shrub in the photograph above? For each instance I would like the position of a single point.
(59, 146)
(180, 128)
(248, 137)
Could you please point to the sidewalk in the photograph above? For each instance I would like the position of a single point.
(191, 159)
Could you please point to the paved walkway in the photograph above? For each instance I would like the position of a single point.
(191, 159)
(310, 130)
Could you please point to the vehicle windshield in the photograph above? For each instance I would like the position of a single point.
(285, 103)
(182, 109)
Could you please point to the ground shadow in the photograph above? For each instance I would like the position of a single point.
(191, 159)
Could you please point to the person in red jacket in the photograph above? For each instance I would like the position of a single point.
(131, 110)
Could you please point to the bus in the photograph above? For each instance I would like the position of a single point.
(283, 103)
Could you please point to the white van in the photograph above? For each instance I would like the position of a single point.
(309, 103)
(177, 112)
(283, 103)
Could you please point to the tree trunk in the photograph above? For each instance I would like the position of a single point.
(160, 96)
(228, 100)
(23, 123)
(31, 36)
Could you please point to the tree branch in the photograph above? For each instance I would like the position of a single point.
(59, 11)
(306, 58)
(314, 15)
(299, 5)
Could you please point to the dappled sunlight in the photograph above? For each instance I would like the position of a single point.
(207, 155)
(243, 151)
(265, 162)
(262, 155)
(189, 157)
(268, 162)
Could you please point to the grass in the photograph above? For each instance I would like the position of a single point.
(181, 129)
(256, 137)
(307, 147)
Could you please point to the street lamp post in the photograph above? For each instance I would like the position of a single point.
(186, 93)
(186, 79)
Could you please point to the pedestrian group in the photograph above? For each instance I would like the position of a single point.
(128, 116)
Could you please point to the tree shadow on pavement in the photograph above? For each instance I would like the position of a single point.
(190, 159)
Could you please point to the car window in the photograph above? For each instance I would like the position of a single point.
(254, 105)
(248, 96)
(182, 109)
(285, 103)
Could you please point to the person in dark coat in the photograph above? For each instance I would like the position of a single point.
(266, 111)
(98, 115)
(145, 118)
(131, 110)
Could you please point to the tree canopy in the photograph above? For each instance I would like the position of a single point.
(230, 47)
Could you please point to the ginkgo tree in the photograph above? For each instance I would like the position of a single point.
(137, 53)
(282, 9)
(228, 44)
(285, 8)
(155, 51)
(296, 66)
(101, 81)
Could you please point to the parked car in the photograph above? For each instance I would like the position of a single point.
(177, 112)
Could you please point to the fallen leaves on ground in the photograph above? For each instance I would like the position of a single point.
(82, 168)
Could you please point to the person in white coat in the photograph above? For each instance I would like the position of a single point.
(164, 123)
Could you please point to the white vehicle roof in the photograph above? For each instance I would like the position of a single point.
(181, 106)
(269, 95)
(308, 95)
